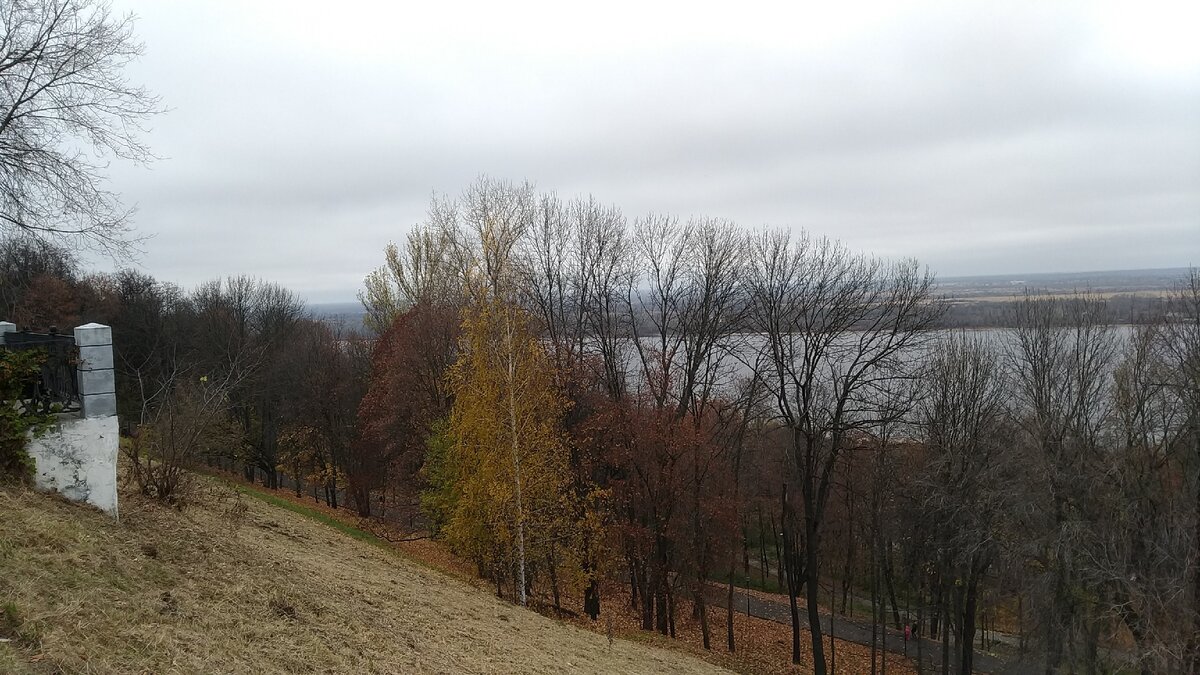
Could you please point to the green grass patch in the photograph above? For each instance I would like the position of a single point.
(280, 502)
(755, 582)
(10, 619)
(14, 627)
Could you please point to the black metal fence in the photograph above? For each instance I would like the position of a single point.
(58, 383)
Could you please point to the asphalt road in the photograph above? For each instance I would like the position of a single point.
(845, 629)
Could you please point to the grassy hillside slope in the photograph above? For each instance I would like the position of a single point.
(237, 585)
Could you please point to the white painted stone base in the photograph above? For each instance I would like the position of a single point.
(77, 458)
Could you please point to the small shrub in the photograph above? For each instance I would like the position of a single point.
(19, 418)
(190, 425)
(235, 512)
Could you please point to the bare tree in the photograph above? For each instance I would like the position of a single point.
(574, 267)
(838, 329)
(691, 296)
(23, 259)
(551, 276)
(1138, 560)
(494, 216)
(334, 366)
(608, 276)
(420, 272)
(1181, 351)
(1061, 353)
(661, 245)
(152, 329)
(189, 423)
(65, 107)
(968, 480)
(249, 322)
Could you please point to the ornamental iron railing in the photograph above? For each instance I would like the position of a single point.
(58, 386)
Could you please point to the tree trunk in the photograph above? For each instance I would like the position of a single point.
(874, 609)
(700, 546)
(1021, 624)
(789, 570)
(516, 453)
(1193, 645)
(1057, 607)
(660, 606)
(811, 572)
(671, 612)
(591, 600)
(832, 639)
(779, 571)
(633, 581)
(1137, 628)
(649, 597)
(762, 550)
(746, 548)
(848, 576)
(891, 586)
(967, 641)
(729, 642)
(362, 501)
(552, 570)
(945, 626)
(848, 570)
(920, 629)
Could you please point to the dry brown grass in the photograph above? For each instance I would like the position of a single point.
(237, 585)
(764, 647)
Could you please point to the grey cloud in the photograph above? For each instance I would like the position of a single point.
(977, 139)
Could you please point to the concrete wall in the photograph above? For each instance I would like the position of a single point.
(78, 459)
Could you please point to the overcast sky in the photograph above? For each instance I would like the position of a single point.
(979, 138)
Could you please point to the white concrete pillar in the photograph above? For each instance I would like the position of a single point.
(97, 384)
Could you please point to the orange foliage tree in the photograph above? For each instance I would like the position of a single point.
(409, 393)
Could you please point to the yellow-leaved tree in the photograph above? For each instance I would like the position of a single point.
(507, 465)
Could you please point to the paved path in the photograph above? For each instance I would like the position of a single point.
(845, 629)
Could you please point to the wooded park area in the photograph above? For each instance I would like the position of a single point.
(577, 403)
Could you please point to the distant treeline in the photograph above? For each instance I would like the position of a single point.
(1122, 308)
